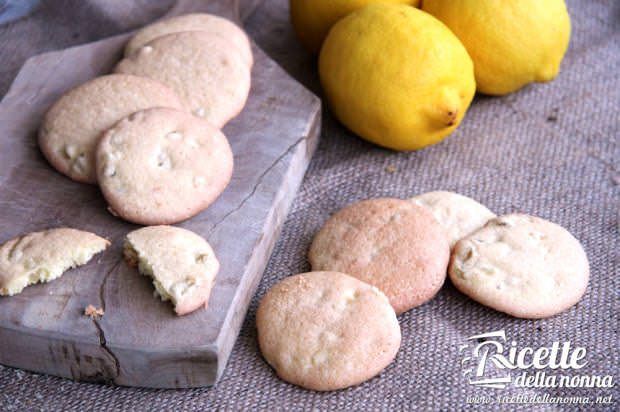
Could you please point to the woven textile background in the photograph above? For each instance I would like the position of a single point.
(552, 150)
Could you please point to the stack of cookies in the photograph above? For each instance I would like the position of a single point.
(149, 134)
(375, 259)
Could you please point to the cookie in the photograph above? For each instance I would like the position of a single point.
(326, 330)
(44, 256)
(522, 265)
(208, 23)
(182, 264)
(392, 244)
(73, 125)
(459, 215)
(205, 70)
(162, 166)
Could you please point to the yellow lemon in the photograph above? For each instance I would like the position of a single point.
(396, 76)
(312, 19)
(512, 43)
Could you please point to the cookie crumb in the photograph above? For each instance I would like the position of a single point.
(93, 312)
(390, 168)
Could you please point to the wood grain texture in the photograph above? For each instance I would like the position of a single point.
(139, 341)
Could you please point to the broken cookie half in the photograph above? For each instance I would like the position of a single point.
(182, 264)
(44, 256)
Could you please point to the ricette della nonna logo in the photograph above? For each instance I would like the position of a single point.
(490, 360)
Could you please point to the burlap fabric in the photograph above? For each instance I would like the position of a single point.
(551, 150)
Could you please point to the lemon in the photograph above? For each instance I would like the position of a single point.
(396, 76)
(312, 19)
(512, 43)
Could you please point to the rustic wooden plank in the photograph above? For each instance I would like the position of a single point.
(139, 341)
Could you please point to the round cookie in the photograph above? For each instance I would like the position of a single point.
(205, 70)
(326, 330)
(392, 244)
(203, 22)
(459, 215)
(73, 125)
(161, 166)
(522, 265)
(181, 263)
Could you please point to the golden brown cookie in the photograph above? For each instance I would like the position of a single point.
(326, 330)
(392, 244)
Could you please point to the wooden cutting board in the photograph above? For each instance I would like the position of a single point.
(139, 341)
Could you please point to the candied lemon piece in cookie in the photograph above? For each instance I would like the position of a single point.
(44, 256)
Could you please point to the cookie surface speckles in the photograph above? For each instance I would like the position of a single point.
(393, 244)
(44, 256)
(74, 124)
(162, 166)
(326, 331)
(181, 263)
(522, 265)
(208, 23)
(205, 70)
(459, 215)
